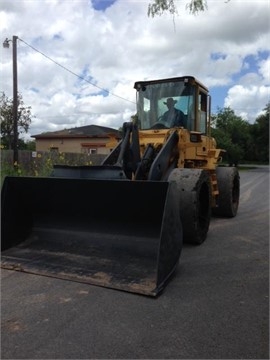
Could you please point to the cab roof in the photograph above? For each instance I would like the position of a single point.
(188, 79)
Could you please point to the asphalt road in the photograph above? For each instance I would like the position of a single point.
(216, 306)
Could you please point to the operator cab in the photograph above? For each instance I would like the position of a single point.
(188, 97)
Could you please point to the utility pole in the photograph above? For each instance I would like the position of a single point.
(15, 101)
(15, 98)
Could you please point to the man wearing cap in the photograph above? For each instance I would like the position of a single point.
(172, 117)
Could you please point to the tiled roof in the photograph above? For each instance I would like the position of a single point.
(83, 131)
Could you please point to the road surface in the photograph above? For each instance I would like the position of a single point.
(216, 306)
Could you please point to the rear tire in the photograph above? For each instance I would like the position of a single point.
(228, 180)
(195, 203)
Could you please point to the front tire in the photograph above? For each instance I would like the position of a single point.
(195, 203)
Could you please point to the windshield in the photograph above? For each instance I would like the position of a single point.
(166, 105)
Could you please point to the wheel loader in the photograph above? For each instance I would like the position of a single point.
(122, 224)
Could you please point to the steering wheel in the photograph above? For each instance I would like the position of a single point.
(159, 125)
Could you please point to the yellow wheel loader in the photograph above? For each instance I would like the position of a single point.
(122, 224)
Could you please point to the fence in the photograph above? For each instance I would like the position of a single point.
(40, 163)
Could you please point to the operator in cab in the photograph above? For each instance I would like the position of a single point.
(173, 117)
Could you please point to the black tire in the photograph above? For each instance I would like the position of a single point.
(228, 181)
(195, 203)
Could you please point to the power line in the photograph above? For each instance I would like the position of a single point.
(73, 73)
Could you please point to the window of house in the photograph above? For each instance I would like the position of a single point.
(54, 149)
(88, 150)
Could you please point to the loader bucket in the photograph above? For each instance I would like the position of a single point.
(119, 234)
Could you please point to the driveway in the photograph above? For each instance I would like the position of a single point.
(215, 307)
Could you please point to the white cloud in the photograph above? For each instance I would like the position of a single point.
(264, 69)
(116, 47)
(248, 101)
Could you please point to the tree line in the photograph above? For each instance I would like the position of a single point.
(24, 119)
(243, 142)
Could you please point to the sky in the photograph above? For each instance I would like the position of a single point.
(78, 59)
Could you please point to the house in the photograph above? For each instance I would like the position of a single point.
(90, 139)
